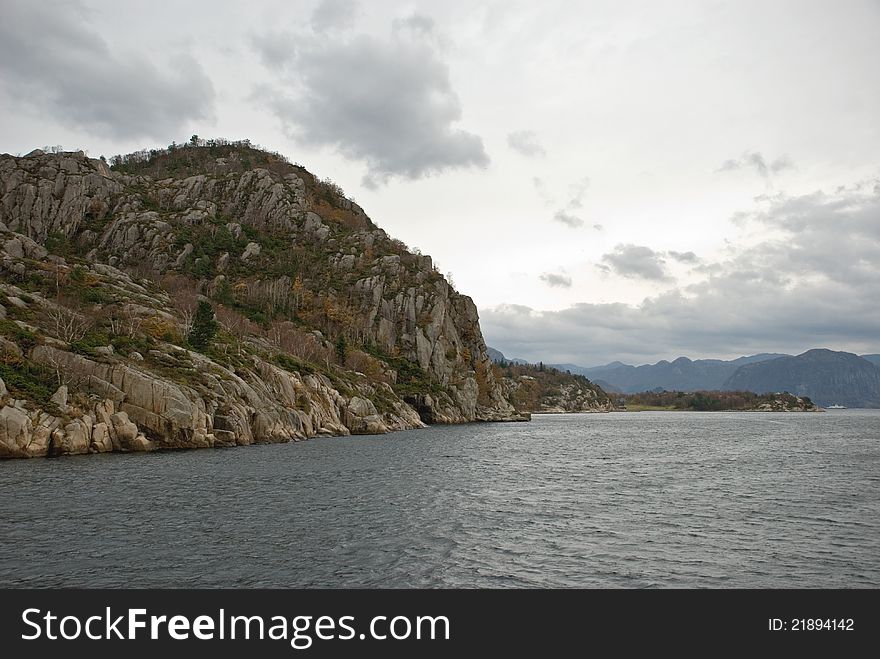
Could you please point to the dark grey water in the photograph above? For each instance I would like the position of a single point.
(617, 500)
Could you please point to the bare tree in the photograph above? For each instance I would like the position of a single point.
(68, 325)
(184, 298)
(236, 324)
(302, 345)
(124, 322)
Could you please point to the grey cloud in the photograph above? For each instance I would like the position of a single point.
(526, 142)
(275, 48)
(578, 189)
(756, 161)
(598, 227)
(541, 189)
(568, 219)
(781, 164)
(814, 285)
(729, 166)
(637, 262)
(334, 15)
(683, 257)
(50, 57)
(418, 23)
(387, 103)
(556, 280)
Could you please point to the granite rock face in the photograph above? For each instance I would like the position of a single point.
(328, 325)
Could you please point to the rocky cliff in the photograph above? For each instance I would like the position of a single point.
(326, 324)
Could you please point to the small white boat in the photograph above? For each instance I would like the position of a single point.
(836, 407)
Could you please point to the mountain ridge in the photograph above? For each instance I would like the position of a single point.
(828, 377)
(680, 374)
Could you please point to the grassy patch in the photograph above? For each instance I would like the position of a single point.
(293, 364)
(412, 379)
(29, 381)
(127, 344)
(24, 338)
(91, 340)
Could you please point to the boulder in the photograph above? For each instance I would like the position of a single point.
(101, 442)
(124, 432)
(252, 249)
(60, 398)
(15, 433)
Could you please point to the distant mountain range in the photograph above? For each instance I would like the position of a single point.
(682, 374)
(826, 376)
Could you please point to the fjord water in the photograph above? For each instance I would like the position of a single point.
(651, 499)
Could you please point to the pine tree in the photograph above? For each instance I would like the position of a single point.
(341, 348)
(204, 327)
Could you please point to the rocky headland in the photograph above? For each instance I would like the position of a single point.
(322, 323)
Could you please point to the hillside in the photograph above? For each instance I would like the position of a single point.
(536, 388)
(682, 374)
(826, 376)
(326, 325)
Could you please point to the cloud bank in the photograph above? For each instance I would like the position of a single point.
(814, 284)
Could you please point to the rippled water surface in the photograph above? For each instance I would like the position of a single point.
(645, 499)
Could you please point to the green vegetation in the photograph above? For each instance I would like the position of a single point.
(86, 287)
(93, 338)
(341, 348)
(540, 385)
(292, 364)
(182, 160)
(129, 344)
(710, 401)
(412, 380)
(204, 327)
(29, 381)
(58, 243)
(24, 338)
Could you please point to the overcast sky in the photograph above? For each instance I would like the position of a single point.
(608, 180)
